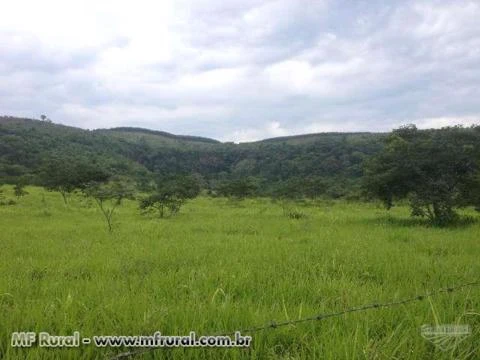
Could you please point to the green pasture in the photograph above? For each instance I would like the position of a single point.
(222, 265)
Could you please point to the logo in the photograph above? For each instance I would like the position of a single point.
(445, 337)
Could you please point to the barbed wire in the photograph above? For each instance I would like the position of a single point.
(319, 317)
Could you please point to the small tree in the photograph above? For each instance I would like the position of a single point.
(170, 195)
(161, 202)
(45, 118)
(109, 197)
(19, 190)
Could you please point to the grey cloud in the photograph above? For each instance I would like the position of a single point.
(23, 52)
(243, 69)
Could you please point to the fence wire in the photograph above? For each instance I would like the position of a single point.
(274, 325)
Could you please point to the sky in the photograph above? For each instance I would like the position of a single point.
(242, 70)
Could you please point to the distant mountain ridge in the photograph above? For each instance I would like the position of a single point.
(330, 164)
(193, 138)
(161, 133)
(332, 159)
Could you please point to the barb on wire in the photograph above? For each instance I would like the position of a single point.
(318, 317)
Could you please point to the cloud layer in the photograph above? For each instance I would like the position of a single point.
(242, 69)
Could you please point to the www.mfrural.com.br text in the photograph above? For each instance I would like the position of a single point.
(44, 339)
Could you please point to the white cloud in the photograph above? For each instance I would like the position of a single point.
(291, 74)
(151, 116)
(439, 122)
(271, 129)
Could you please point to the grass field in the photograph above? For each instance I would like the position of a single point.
(221, 266)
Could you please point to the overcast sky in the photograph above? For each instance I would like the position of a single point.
(242, 69)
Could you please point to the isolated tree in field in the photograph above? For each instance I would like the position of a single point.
(68, 174)
(170, 195)
(162, 201)
(437, 171)
(109, 197)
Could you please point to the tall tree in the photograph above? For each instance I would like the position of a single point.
(436, 171)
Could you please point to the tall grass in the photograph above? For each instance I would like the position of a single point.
(217, 267)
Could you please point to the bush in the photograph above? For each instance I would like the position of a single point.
(292, 212)
(8, 202)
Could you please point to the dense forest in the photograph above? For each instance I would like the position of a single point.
(316, 165)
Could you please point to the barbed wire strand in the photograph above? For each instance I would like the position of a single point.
(319, 317)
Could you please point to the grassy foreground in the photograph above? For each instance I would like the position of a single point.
(221, 266)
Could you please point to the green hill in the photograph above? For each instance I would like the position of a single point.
(329, 164)
(156, 138)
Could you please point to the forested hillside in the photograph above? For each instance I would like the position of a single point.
(328, 164)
